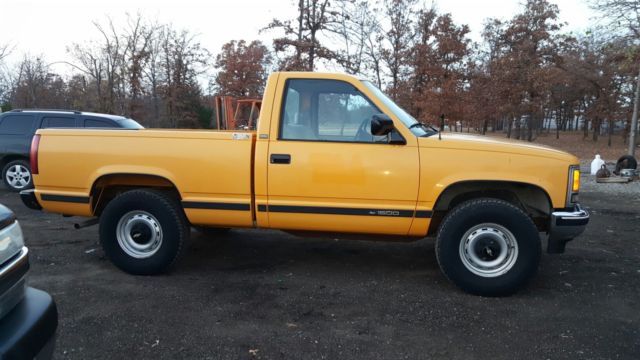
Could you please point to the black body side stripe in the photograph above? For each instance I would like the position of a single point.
(65, 198)
(342, 211)
(215, 205)
(424, 213)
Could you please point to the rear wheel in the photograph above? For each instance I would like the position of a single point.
(143, 232)
(488, 247)
(17, 175)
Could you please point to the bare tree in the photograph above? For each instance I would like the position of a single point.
(5, 50)
(138, 38)
(303, 35)
(35, 86)
(399, 37)
(5, 84)
(152, 72)
(624, 16)
(183, 59)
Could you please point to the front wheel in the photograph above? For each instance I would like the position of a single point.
(17, 175)
(488, 247)
(143, 232)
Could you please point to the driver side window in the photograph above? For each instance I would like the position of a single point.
(327, 110)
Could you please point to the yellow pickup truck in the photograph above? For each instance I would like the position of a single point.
(331, 154)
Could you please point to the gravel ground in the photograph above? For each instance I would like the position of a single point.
(267, 295)
(589, 184)
(630, 190)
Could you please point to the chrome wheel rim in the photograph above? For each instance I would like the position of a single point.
(139, 234)
(488, 250)
(18, 176)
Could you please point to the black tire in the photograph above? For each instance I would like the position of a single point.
(212, 231)
(148, 213)
(457, 246)
(22, 180)
(625, 162)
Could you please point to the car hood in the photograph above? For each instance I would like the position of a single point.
(490, 144)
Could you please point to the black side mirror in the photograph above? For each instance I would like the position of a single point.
(381, 125)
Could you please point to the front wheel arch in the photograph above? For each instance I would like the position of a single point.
(531, 198)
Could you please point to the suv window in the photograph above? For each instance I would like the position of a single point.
(96, 123)
(17, 124)
(327, 110)
(58, 122)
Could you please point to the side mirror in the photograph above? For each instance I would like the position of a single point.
(381, 125)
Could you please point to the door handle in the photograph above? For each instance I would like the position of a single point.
(280, 159)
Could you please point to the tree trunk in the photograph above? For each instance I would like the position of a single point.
(634, 119)
(610, 132)
(557, 127)
(298, 52)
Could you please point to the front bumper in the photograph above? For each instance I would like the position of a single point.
(28, 331)
(565, 225)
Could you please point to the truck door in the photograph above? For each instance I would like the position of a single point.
(326, 172)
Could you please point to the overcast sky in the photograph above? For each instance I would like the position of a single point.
(49, 26)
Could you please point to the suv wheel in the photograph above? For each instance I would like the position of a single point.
(17, 175)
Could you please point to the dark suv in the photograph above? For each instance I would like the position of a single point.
(28, 317)
(18, 126)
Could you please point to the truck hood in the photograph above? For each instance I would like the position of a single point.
(489, 144)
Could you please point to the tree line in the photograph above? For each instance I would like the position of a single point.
(525, 77)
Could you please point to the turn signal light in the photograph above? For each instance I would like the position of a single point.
(575, 187)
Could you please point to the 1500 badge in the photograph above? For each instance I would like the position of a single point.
(385, 212)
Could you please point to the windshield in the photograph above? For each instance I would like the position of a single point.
(408, 120)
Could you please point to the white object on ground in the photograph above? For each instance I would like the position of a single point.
(596, 164)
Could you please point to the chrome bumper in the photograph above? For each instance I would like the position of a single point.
(566, 225)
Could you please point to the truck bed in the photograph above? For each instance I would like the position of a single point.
(213, 168)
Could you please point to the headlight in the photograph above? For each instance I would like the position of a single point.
(13, 262)
(11, 241)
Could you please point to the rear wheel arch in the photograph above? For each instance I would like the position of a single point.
(12, 157)
(530, 198)
(107, 187)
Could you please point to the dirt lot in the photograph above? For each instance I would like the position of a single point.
(257, 294)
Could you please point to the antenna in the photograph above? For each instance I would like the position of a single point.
(441, 127)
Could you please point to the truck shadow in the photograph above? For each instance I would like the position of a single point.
(268, 251)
